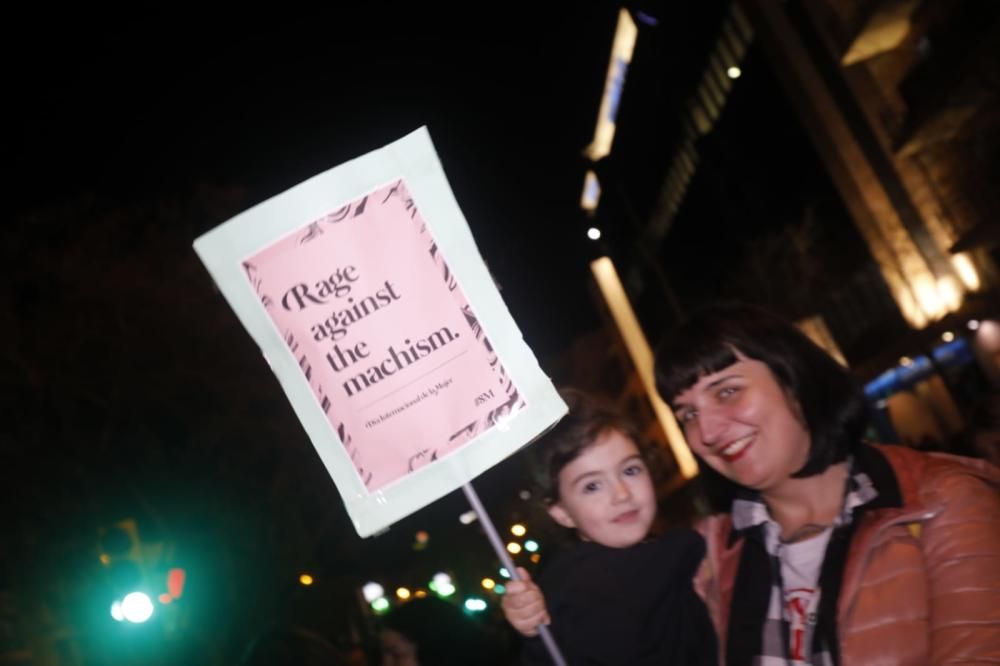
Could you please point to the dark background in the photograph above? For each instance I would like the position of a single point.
(130, 389)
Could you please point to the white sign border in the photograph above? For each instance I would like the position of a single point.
(413, 159)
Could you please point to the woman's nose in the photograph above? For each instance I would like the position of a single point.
(712, 424)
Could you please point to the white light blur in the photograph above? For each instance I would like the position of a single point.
(137, 607)
(593, 233)
(468, 517)
(372, 591)
(621, 55)
(950, 293)
(733, 72)
(639, 350)
(966, 271)
(591, 192)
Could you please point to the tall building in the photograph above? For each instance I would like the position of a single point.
(832, 159)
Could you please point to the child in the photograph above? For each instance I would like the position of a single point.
(617, 596)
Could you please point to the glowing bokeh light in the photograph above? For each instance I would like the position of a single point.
(475, 605)
(137, 607)
(372, 591)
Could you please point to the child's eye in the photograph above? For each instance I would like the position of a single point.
(634, 470)
(591, 487)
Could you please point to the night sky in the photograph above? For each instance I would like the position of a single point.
(162, 106)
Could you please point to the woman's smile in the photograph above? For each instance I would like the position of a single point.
(735, 450)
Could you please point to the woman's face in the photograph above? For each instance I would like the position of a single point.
(742, 423)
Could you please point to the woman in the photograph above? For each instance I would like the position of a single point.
(825, 549)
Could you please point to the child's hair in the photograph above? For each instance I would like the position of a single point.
(588, 418)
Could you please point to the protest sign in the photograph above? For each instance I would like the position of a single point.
(365, 291)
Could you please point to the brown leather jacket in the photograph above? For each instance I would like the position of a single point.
(921, 583)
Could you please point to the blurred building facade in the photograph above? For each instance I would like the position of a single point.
(898, 101)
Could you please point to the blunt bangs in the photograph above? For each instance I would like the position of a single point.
(829, 401)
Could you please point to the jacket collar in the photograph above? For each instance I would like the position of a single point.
(870, 485)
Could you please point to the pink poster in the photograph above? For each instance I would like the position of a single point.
(366, 293)
(390, 346)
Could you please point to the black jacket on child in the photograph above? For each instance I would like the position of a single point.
(635, 605)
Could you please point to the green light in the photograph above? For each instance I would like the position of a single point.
(475, 605)
(380, 605)
(499, 589)
(442, 585)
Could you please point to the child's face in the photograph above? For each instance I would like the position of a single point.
(606, 493)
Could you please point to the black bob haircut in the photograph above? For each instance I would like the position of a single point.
(829, 400)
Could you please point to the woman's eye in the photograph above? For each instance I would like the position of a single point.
(727, 391)
(687, 416)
